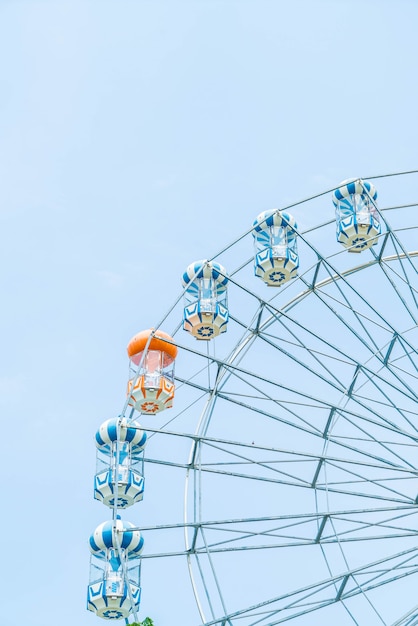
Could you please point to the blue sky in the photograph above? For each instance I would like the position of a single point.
(137, 136)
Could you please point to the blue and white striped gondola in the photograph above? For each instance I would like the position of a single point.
(113, 544)
(119, 447)
(206, 308)
(276, 258)
(357, 218)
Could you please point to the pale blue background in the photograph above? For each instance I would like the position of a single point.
(135, 137)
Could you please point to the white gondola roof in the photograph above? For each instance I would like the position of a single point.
(273, 217)
(130, 432)
(103, 538)
(205, 269)
(354, 186)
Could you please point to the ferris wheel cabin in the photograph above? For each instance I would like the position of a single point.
(205, 313)
(357, 218)
(119, 470)
(151, 371)
(276, 258)
(114, 548)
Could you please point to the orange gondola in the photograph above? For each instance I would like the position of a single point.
(151, 381)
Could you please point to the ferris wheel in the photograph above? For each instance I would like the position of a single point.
(292, 424)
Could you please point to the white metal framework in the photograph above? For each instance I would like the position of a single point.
(301, 485)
